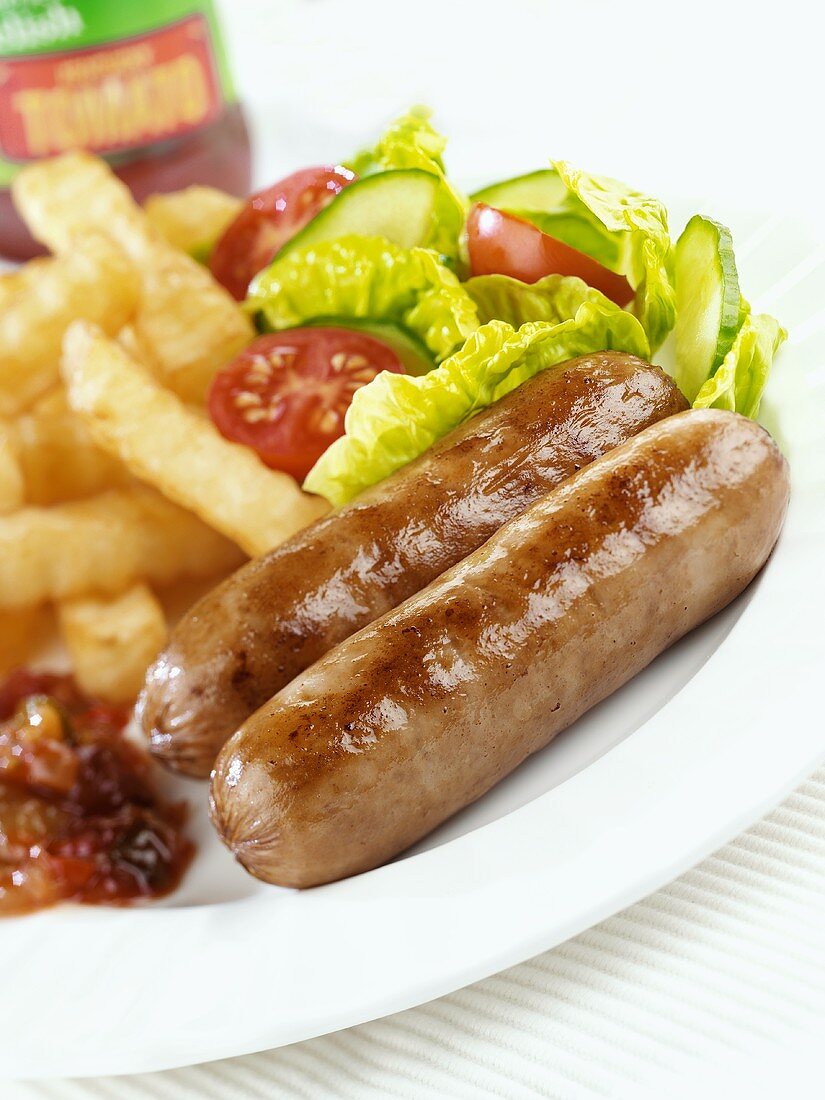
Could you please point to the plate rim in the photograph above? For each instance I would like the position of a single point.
(402, 896)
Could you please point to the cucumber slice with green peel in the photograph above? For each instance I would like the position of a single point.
(399, 205)
(542, 190)
(410, 350)
(707, 302)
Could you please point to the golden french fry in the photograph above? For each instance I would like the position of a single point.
(12, 282)
(22, 633)
(12, 484)
(130, 342)
(102, 545)
(188, 325)
(182, 454)
(112, 640)
(94, 280)
(66, 195)
(176, 599)
(9, 287)
(192, 219)
(57, 457)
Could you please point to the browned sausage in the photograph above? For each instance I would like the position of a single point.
(420, 713)
(278, 614)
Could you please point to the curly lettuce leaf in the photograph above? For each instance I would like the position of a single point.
(396, 417)
(638, 225)
(367, 278)
(740, 380)
(413, 142)
(553, 298)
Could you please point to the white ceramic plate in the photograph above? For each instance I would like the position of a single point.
(692, 751)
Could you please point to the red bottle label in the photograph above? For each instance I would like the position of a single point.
(110, 98)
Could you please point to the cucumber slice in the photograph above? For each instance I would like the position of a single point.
(410, 350)
(399, 205)
(707, 302)
(542, 190)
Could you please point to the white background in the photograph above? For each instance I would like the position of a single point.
(721, 98)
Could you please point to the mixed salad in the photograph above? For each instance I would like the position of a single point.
(392, 307)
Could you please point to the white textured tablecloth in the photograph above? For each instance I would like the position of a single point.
(715, 985)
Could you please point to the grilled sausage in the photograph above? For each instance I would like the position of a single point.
(420, 713)
(278, 614)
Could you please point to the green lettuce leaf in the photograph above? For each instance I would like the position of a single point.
(412, 142)
(367, 278)
(553, 298)
(396, 417)
(638, 225)
(739, 382)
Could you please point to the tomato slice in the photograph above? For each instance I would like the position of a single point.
(502, 244)
(287, 394)
(268, 219)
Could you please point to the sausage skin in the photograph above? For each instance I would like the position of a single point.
(418, 714)
(277, 615)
